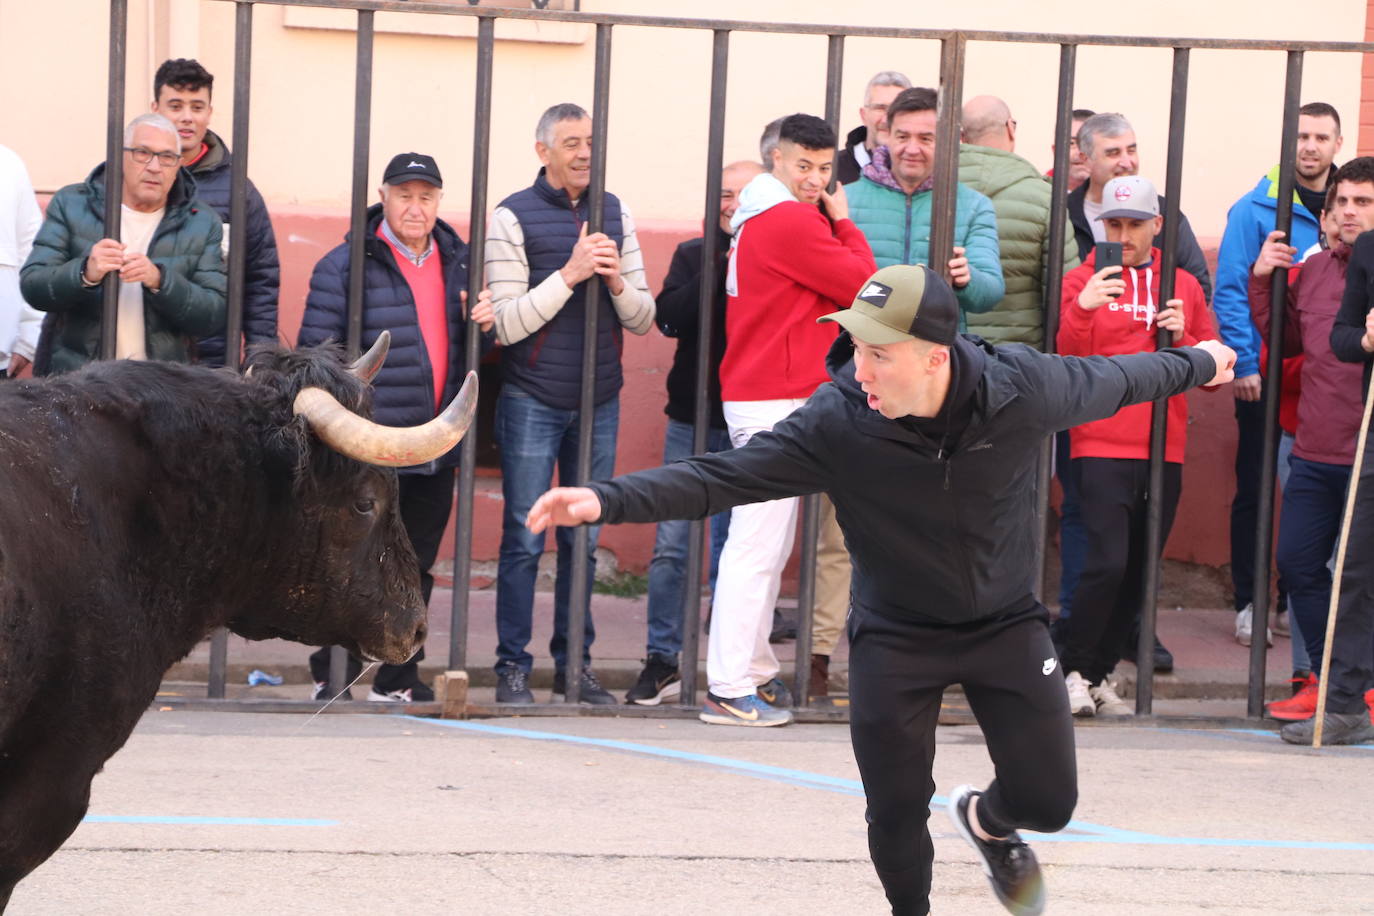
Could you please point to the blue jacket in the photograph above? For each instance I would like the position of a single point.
(261, 271)
(403, 391)
(548, 363)
(1249, 220)
(897, 226)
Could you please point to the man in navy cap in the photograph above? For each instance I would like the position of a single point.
(415, 279)
(926, 442)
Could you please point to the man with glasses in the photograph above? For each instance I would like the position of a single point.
(862, 140)
(166, 253)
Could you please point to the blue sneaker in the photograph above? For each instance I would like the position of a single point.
(747, 710)
(775, 693)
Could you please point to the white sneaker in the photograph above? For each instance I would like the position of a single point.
(1080, 700)
(1244, 618)
(1107, 702)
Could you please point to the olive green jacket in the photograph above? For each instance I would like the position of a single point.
(1021, 199)
(189, 303)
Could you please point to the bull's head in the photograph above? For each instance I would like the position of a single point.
(357, 584)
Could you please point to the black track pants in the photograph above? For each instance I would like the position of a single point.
(897, 673)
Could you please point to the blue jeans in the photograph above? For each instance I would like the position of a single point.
(1073, 537)
(1298, 647)
(533, 438)
(668, 569)
(1313, 502)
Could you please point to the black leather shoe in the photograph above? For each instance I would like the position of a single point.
(1009, 864)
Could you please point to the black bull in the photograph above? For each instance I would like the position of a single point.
(145, 504)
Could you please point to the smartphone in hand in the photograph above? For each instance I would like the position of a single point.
(1107, 254)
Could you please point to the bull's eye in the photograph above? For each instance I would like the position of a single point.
(364, 506)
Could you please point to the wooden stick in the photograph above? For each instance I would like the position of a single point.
(1340, 568)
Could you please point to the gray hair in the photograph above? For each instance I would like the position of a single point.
(886, 78)
(152, 119)
(548, 121)
(1106, 124)
(768, 141)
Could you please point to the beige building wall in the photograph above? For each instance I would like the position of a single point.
(53, 86)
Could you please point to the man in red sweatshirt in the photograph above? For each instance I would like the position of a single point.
(1110, 312)
(795, 256)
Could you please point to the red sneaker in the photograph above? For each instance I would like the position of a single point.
(1369, 701)
(1302, 705)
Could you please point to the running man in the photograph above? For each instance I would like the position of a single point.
(926, 441)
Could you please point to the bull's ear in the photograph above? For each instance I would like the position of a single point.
(370, 363)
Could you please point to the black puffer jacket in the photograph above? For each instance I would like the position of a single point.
(679, 315)
(403, 392)
(261, 270)
(940, 529)
(186, 247)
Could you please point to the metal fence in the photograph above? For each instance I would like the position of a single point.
(953, 44)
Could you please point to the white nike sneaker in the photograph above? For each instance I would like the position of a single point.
(1107, 701)
(1244, 627)
(1080, 700)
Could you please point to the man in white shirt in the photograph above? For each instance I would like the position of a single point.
(19, 222)
(167, 256)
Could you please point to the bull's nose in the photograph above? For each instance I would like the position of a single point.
(421, 631)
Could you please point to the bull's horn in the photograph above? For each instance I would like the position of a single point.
(369, 364)
(390, 446)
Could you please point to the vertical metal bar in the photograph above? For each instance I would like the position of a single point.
(1059, 194)
(477, 233)
(834, 77)
(238, 232)
(238, 182)
(706, 307)
(944, 195)
(1053, 288)
(811, 505)
(1159, 415)
(578, 599)
(362, 132)
(114, 168)
(1278, 306)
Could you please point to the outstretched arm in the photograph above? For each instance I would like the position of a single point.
(792, 459)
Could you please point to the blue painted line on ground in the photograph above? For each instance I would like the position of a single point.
(1273, 734)
(1075, 832)
(208, 821)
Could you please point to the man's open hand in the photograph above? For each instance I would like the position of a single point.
(564, 506)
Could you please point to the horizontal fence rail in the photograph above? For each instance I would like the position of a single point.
(954, 44)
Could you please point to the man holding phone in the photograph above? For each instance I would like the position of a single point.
(1110, 307)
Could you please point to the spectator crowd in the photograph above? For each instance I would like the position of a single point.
(800, 233)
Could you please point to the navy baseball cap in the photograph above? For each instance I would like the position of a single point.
(412, 167)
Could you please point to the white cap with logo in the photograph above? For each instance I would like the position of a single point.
(1129, 197)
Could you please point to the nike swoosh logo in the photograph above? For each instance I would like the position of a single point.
(1048, 667)
(749, 716)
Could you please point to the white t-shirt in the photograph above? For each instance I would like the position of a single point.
(1091, 211)
(136, 232)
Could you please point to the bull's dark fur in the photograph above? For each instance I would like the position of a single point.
(143, 505)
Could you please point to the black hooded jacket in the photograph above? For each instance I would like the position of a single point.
(938, 514)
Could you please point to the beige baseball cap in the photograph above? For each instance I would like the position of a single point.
(901, 302)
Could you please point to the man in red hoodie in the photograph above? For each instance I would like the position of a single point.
(1110, 312)
(795, 256)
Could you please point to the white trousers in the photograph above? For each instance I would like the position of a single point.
(738, 657)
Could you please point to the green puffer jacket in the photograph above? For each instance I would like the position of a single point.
(1021, 198)
(897, 226)
(190, 303)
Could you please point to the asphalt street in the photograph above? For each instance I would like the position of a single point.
(230, 813)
